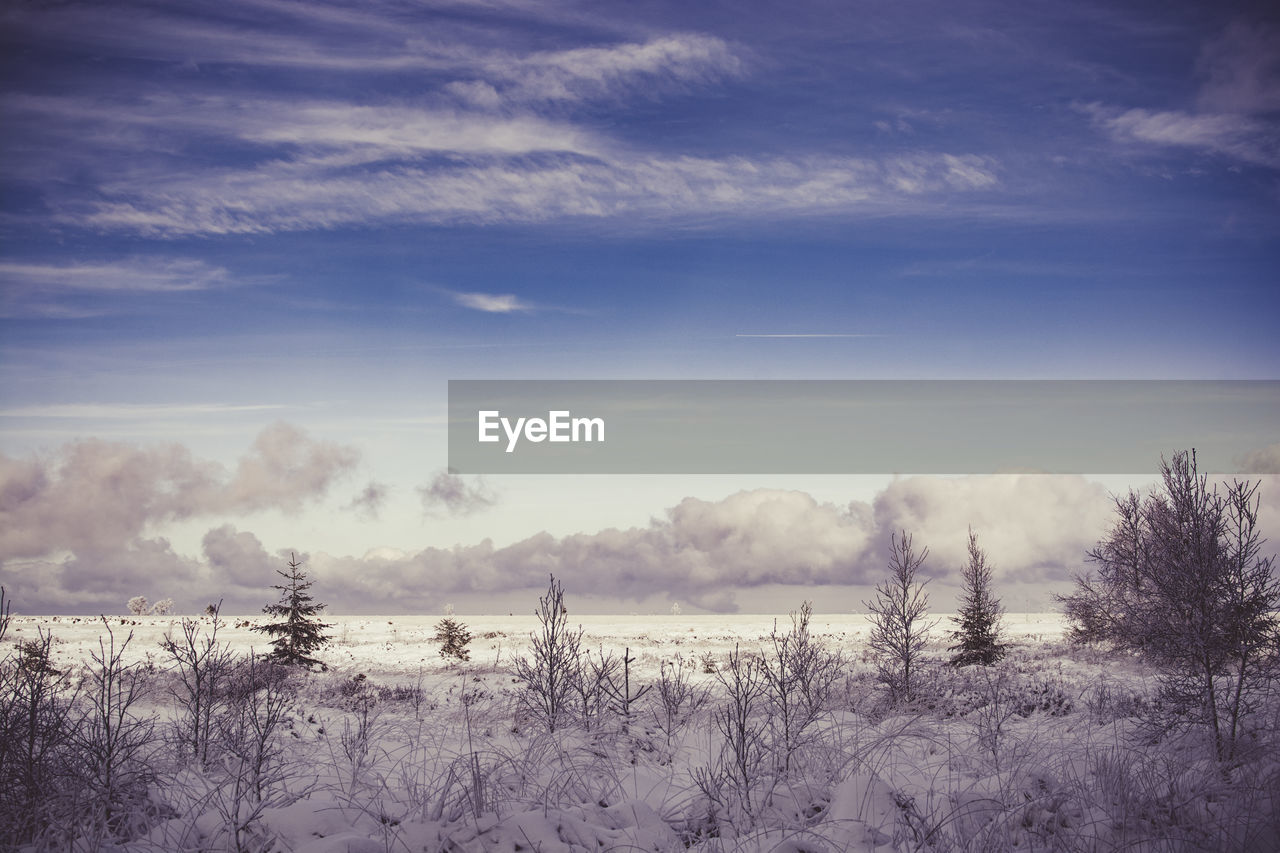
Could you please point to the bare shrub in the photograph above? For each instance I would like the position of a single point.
(358, 748)
(113, 750)
(621, 696)
(678, 698)
(590, 685)
(36, 738)
(547, 678)
(202, 665)
(993, 715)
(732, 784)
(899, 620)
(799, 674)
(254, 771)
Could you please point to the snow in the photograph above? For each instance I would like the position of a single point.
(395, 748)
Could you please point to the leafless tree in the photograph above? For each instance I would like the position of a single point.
(1251, 594)
(548, 676)
(899, 619)
(1182, 580)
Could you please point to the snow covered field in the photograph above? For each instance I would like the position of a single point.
(395, 749)
(396, 648)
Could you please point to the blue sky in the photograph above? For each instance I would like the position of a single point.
(264, 234)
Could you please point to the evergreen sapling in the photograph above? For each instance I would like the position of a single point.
(978, 624)
(299, 633)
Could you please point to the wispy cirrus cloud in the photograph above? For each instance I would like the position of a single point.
(299, 130)
(90, 288)
(300, 196)
(665, 62)
(1233, 115)
(381, 38)
(493, 134)
(493, 303)
(142, 275)
(1235, 136)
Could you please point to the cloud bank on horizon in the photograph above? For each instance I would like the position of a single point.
(79, 534)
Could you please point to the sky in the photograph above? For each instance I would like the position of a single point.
(245, 245)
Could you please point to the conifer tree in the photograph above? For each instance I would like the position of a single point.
(978, 624)
(299, 633)
(453, 637)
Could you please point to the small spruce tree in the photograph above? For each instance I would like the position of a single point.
(453, 638)
(299, 634)
(977, 634)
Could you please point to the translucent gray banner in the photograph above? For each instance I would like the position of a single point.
(856, 426)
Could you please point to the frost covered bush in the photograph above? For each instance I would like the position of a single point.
(1182, 581)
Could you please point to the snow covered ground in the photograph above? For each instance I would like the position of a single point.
(397, 648)
(396, 749)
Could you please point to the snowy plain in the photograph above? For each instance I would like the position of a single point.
(394, 748)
